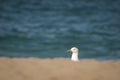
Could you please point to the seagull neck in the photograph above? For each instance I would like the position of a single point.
(74, 57)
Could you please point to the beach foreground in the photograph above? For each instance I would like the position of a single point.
(57, 69)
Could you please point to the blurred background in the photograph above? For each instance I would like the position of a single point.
(47, 28)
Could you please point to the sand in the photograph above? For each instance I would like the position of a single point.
(58, 69)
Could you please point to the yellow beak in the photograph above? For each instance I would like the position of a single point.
(69, 51)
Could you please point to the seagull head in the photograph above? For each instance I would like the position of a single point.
(73, 50)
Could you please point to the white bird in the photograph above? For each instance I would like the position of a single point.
(74, 52)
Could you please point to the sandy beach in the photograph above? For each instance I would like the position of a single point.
(58, 69)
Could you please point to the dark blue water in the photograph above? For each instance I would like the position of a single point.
(47, 28)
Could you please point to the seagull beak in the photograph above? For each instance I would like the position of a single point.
(69, 51)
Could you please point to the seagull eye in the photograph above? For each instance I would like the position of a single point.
(73, 49)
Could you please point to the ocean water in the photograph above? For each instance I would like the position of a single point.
(47, 28)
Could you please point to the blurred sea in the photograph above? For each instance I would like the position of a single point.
(47, 28)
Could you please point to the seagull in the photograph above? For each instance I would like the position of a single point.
(74, 52)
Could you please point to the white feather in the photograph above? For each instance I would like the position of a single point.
(75, 52)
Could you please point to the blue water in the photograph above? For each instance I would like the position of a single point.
(47, 28)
